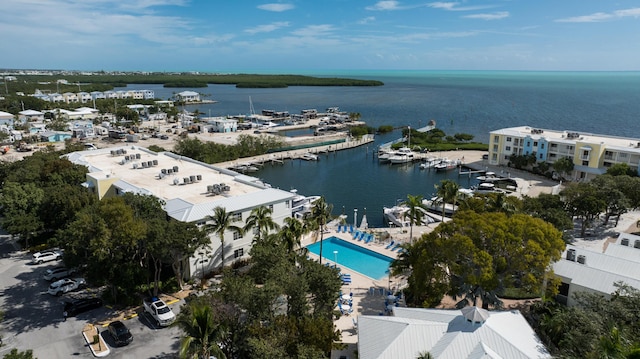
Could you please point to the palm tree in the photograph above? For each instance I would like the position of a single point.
(415, 213)
(202, 332)
(424, 355)
(260, 218)
(222, 221)
(292, 232)
(448, 192)
(320, 214)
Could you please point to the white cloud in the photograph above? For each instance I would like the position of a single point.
(603, 16)
(276, 7)
(367, 20)
(268, 27)
(454, 6)
(491, 16)
(384, 6)
(314, 30)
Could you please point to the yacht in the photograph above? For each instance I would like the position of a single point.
(398, 216)
(300, 204)
(435, 205)
(402, 155)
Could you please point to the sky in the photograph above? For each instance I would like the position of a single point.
(302, 36)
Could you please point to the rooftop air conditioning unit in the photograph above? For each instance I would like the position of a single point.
(175, 168)
(582, 259)
(199, 177)
(155, 162)
(571, 255)
(636, 244)
(624, 241)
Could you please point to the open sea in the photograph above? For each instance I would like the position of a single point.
(473, 102)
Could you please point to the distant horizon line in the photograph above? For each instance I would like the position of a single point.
(9, 71)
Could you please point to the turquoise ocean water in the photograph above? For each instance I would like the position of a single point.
(474, 102)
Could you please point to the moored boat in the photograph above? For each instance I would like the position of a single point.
(402, 155)
(398, 216)
(309, 157)
(445, 165)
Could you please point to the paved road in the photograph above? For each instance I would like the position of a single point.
(33, 318)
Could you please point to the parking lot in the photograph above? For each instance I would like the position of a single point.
(33, 319)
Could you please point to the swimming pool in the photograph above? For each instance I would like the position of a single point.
(352, 256)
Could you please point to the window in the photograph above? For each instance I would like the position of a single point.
(508, 139)
(288, 204)
(585, 163)
(237, 217)
(535, 143)
(528, 143)
(540, 156)
(495, 148)
(554, 145)
(552, 155)
(570, 148)
(508, 148)
(516, 142)
(541, 145)
(236, 235)
(271, 208)
(496, 139)
(238, 253)
(623, 155)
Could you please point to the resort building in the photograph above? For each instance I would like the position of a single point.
(190, 190)
(583, 270)
(591, 154)
(448, 334)
(30, 116)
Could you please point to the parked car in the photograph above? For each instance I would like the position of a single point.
(78, 306)
(120, 333)
(54, 274)
(66, 285)
(46, 256)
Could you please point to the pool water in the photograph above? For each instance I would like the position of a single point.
(354, 257)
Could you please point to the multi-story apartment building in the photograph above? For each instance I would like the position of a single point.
(591, 154)
(190, 190)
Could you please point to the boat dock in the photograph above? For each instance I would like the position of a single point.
(279, 158)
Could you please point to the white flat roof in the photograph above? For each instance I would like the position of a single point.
(623, 143)
(186, 202)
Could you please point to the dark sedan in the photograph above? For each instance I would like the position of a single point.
(81, 305)
(120, 333)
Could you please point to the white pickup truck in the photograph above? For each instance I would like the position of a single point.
(161, 313)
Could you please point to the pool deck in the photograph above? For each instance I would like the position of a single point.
(368, 294)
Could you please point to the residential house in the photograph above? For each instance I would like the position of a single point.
(82, 129)
(110, 94)
(30, 116)
(188, 96)
(70, 97)
(6, 118)
(84, 97)
(448, 334)
(98, 95)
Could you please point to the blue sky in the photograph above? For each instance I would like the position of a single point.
(299, 36)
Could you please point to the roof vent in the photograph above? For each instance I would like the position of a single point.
(571, 255)
(582, 259)
(624, 241)
(636, 244)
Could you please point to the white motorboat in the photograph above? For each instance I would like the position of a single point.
(489, 177)
(435, 205)
(487, 187)
(301, 204)
(402, 155)
(309, 157)
(445, 165)
(398, 216)
(429, 163)
(384, 155)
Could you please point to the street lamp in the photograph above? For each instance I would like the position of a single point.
(335, 258)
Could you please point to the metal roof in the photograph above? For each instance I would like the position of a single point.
(446, 334)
